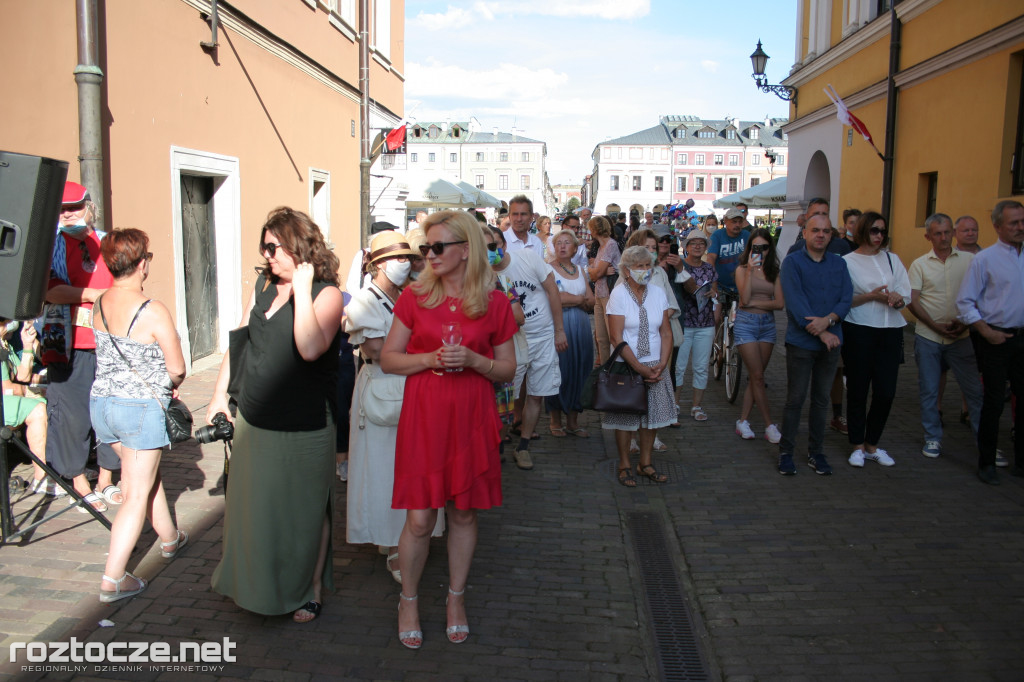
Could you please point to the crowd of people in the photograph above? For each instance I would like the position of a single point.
(455, 337)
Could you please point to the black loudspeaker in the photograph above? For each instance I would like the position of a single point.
(31, 189)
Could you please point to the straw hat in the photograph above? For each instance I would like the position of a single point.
(388, 245)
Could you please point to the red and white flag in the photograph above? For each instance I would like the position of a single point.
(846, 117)
(396, 138)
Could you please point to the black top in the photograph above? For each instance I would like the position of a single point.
(281, 391)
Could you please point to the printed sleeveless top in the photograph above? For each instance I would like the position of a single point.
(115, 378)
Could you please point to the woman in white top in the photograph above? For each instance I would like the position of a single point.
(873, 336)
(638, 314)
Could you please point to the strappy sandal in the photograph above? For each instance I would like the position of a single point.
(579, 432)
(411, 639)
(109, 492)
(311, 606)
(557, 431)
(626, 477)
(108, 597)
(177, 543)
(698, 413)
(650, 472)
(457, 634)
(91, 499)
(396, 573)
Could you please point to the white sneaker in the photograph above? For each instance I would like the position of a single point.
(772, 434)
(743, 429)
(857, 458)
(880, 456)
(343, 470)
(658, 445)
(1001, 460)
(633, 447)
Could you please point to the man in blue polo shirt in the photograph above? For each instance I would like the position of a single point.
(818, 293)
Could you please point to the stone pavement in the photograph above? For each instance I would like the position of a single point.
(908, 572)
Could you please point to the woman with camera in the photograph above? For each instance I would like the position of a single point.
(757, 280)
(277, 520)
(452, 339)
(377, 403)
(139, 366)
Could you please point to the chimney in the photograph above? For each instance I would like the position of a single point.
(767, 120)
(495, 130)
(735, 123)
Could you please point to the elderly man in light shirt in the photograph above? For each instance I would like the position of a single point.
(941, 339)
(990, 302)
(518, 236)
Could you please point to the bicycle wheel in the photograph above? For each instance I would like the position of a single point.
(717, 353)
(733, 368)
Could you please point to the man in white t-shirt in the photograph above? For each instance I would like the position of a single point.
(517, 236)
(532, 279)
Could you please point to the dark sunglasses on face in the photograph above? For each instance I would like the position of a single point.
(437, 247)
(270, 248)
(759, 248)
(493, 246)
(878, 231)
(665, 240)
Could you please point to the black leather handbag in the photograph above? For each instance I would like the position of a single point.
(615, 387)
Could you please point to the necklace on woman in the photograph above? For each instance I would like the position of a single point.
(571, 273)
(453, 303)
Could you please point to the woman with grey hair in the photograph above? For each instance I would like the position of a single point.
(638, 315)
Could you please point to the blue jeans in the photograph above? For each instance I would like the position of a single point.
(816, 369)
(932, 358)
(699, 341)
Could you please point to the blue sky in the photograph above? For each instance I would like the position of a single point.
(574, 73)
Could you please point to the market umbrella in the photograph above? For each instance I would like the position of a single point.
(766, 195)
(439, 193)
(482, 198)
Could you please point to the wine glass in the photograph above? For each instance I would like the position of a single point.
(451, 335)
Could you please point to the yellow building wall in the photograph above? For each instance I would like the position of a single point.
(851, 75)
(950, 23)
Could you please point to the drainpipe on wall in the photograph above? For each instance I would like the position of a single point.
(895, 34)
(89, 78)
(364, 123)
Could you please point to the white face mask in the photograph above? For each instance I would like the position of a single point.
(397, 271)
(10, 327)
(640, 276)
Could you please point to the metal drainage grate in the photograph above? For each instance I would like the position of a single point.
(670, 469)
(676, 647)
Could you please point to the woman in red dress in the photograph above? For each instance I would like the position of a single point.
(452, 338)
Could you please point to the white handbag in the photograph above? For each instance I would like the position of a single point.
(380, 399)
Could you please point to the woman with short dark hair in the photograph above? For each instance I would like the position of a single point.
(139, 365)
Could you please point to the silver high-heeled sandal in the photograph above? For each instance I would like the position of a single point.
(453, 631)
(412, 639)
(108, 597)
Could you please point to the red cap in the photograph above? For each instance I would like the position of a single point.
(74, 193)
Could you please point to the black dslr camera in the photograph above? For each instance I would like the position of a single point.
(220, 429)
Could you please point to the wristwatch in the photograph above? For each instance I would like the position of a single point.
(831, 322)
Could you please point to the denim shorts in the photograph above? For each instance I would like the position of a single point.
(754, 327)
(134, 422)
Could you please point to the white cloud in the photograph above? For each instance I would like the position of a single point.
(709, 65)
(507, 85)
(459, 17)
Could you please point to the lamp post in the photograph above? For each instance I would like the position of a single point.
(759, 59)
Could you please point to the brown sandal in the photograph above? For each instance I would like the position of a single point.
(626, 478)
(650, 472)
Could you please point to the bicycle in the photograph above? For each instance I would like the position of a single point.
(724, 355)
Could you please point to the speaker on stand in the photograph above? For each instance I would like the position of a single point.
(31, 188)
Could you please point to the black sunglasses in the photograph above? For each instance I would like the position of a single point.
(492, 246)
(878, 230)
(759, 248)
(665, 240)
(270, 248)
(437, 247)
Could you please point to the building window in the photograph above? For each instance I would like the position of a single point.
(730, 134)
(716, 184)
(706, 134)
(479, 182)
(681, 159)
(1018, 155)
(780, 160)
(414, 157)
(754, 182)
(659, 183)
(502, 182)
(431, 157)
(613, 182)
(927, 195)
(479, 156)
(680, 183)
(526, 156)
(636, 183)
(453, 157)
(754, 133)
(718, 159)
(734, 184)
(698, 183)
(382, 27)
(346, 11)
(734, 159)
(524, 182)
(755, 160)
(698, 159)
(606, 152)
(503, 156)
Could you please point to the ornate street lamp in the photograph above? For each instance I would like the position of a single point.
(759, 60)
